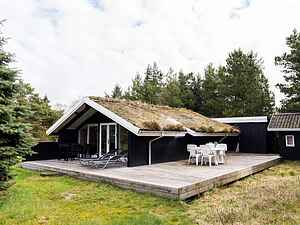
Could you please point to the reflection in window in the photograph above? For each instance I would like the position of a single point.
(82, 136)
(123, 139)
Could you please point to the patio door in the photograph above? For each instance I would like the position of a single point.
(92, 139)
(108, 137)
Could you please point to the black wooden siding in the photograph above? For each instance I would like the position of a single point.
(168, 149)
(278, 142)
(45, 150)
(68, 136)
(253, 137)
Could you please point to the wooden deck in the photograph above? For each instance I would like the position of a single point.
(173, 179)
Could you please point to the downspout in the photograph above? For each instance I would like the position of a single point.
(222, 139)
(150, 150)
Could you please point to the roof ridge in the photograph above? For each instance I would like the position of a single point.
(295, 113)
(110, 99)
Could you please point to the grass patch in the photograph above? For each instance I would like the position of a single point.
(270, 197)
(58, 200)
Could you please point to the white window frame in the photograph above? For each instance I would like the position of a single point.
(107, 136)
(88, 131)
(87, 126)
(286, 141)
(79, 136)
(78, 141)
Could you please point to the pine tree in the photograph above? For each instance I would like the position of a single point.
(117, 92)
(197, 91)
(15, 137)
(290, 63)
(171, 93)
(186, 82)
(42, 115)
(147, 88)
(246, 88)
(152, 84)
(135, 91)
(212, 89)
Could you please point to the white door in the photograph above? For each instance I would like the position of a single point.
(108, 137)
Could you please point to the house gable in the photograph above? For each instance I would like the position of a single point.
(73, 110)
(164, 120)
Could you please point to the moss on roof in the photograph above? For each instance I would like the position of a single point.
(158, 117)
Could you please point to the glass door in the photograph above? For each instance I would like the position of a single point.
(92, 139)
(108, 137)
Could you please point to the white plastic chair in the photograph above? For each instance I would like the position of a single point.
(210, 145)
(222, 152)
(191, 146)
(192, 149)
(207, 153)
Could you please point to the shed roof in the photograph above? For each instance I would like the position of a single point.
(285, 122)
(244, 119)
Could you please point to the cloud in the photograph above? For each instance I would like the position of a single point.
(68, 49)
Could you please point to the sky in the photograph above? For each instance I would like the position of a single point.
(71, 49)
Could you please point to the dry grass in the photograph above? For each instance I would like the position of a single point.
(270, 197)
(155, 117)
(152, 125)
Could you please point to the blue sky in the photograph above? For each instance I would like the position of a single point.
(70, 49)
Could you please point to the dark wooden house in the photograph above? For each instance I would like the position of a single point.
(285, 129)
(149, 133)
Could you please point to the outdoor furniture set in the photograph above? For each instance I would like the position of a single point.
(210, 152)
(111, 159)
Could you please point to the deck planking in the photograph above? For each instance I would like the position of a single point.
(176, 180)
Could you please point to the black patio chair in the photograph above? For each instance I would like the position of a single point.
(76, 150)
(89, 150)
(64, 149)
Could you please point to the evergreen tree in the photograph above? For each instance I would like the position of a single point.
(42, 115)
(186, 82)
(197, 90)
(152, 84)
(290, 63)
(238, 89)
(213, 86)
(117, 92)
(148, 88)
(135, 91)
(246, 88)
(171, 92)
(15, 137)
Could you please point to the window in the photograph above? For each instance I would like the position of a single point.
(88, 134)
(289, 141)
(123, 139)
(82, 135)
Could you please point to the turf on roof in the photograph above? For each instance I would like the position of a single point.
(162, 118)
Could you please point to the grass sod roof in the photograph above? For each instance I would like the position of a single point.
(151, 117)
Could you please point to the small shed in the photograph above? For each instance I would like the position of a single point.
(285, 129)
(253, 136)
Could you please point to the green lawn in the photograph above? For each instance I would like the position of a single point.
(270, 197)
